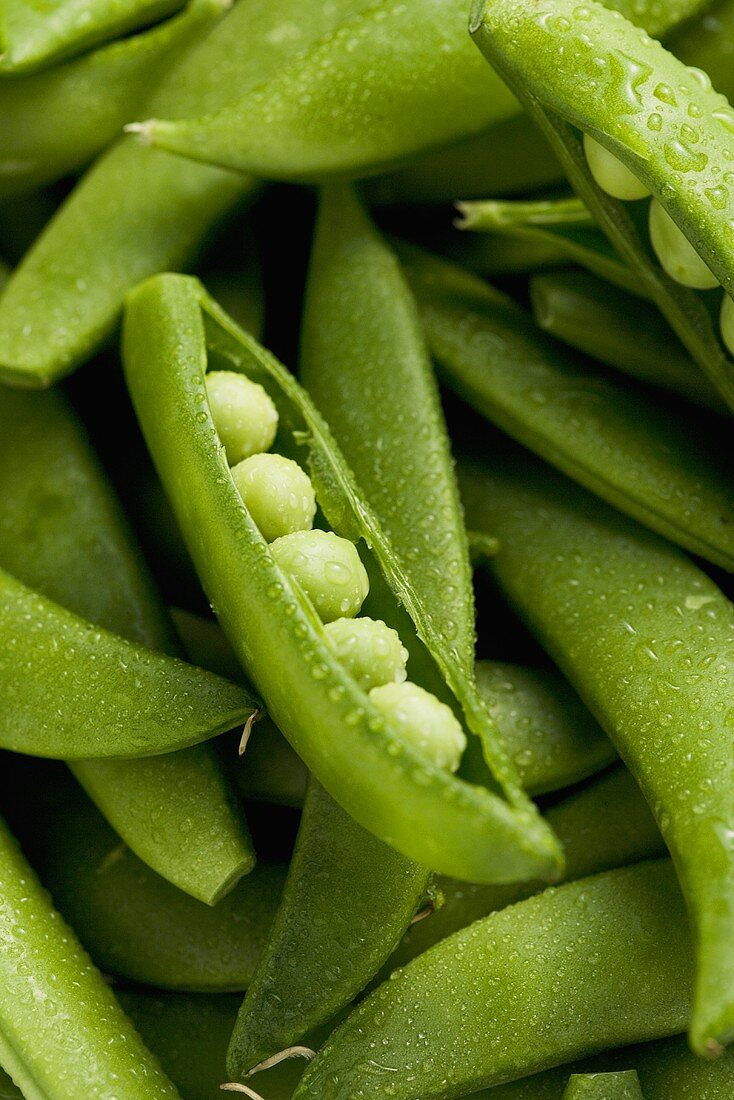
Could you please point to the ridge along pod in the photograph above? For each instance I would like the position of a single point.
(318, 706)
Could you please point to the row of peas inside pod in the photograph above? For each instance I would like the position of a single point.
(324, 567)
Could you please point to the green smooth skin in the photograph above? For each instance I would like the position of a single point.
(619, 330)
(605, 824)
(94, 95)
(647, 461)
(594, 964)
(313, 119)
(62, 532)
(365, 362)
(74, 690)
(62, 1034)
(134, 923)
(548, 734)
(327, 719)
(683, 156)
(33, 35)
(348, 899)
(646, 639)
(624, 1085)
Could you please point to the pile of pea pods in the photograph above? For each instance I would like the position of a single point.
(366, 549)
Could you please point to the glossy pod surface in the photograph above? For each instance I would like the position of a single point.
(327, 718)
(624, 1085)
(646, 639)
(616, 945)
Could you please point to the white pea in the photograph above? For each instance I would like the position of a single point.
(278, 494)
(244, 415)
(328, 569)
(369, 649)
(424, 721)
(727, 323)
(611, 174)
(677, 256)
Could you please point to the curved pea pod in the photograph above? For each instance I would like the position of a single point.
(662, 120)
(347, 902)
(644, 460)
(62, 532)
(74, 690)
(135, 924)
(605, 824)
(172, 331)
(57, 121)
(620, 331)
(62, 1033)
(614, 1085)
(33, 37)
(646, 639)
(617, 945)
(371, 112)
(705, 43)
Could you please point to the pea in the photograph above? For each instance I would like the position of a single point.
(370, 650)
(676, 253)
(277, 492)
(244, 416)
(328, 569)
(612, 176)
(423, 721)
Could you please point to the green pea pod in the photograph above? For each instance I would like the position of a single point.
(62, 533)
(73, 690)
(371, 112)
(705, 42)
(33, 36)
(172, 330)
(620, 331)
(347, 902)
(644, 460)
(93, 95)
(645, 638)
(621, 1085)
(660, 119)
(604, 825)
(135, 924)
(62, 1034)
(483, 1006)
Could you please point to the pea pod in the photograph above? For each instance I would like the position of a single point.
(660, 120)
(62, 1034)
(620, 331)
(621, 1085)
(93, 95)
(73, 690)
(33, 38)
(603, 825)
(645, 638)
(348, 900)
(642, 459)
(133, 923)
(172, 330)
(299, 125)
(617, 945)
(62, 533)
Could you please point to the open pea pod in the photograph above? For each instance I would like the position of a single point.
(62, 533)
(57, 121)
(73, 690)
(300, 125)
(605, 824)
(647, 461)
(347, 902)
(483, 1007)
(133, 923)
(33, 36)
(620, 331)
(646, 639)
(584, 70)
(62, 1033)
(172, 332)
